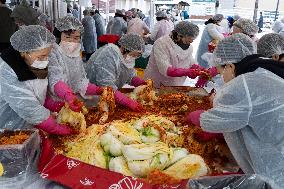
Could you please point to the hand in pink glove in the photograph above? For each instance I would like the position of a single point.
(203, 79)
(205, 136)
(52, 105)
(50, 126)
(124, 100)
(196, 66)
(137, 81)
(180, 72)
(63, 91)
(94, 89)
(194, 117)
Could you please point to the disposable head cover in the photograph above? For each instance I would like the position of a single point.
(233, 49)
(31, 38)
(249, 111)
(187, 29)
(161, 14)
(114, 73)
(270, 44)
(69, 23)
(247, 26)
(218, 17)
(25, 14)
(132, 42)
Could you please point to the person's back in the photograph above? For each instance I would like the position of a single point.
(162, 28)
(137, 26)
(7, 27)
(89, 36)
(100, 26)
(117, 26)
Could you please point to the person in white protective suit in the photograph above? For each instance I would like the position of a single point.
(247, 27)
(211, 32)
(114, 66)
(117, 25)
(171, 57)
(67, 76)
(271, 46)
(278, 27)
(23, 82)
(162, 27)
(248, 110)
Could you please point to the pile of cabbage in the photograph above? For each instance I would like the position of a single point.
(135, 148)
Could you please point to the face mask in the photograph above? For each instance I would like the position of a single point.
(71, 49)
(40, 64)
(182, 45)
(129, 62)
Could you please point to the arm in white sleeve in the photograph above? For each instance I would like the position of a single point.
(214, 33)
(55, 69)
(232, 109)
(21, 99)
(162, 58)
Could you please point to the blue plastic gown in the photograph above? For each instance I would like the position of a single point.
(117, 26)
(89, 37)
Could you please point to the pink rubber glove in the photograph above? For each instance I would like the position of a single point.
(196, 66)
(52, 105)
(202, 81)
(213, 71)
(124, 100)
(205, 136)
(94, 89)
(194, 117)
(180, 72)
(63, 91)
(50, 126)
(137, 81)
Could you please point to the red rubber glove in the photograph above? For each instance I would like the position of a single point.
(94, 89)
(63, 91)
(196, 66)
(194, 117)
(137, 81)
(50, 126)
(180, 72)
(52, 105)
(124, 100)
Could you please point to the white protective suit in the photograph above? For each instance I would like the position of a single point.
(106, 68)
(165, 54)
(210, 32)
(278, 27)
(117, 26)
(137, 26)
(249, 111)
(161, 28)
(21, 103)
(67, 69)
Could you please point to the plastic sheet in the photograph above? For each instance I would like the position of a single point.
(230, 182)
(19, 161)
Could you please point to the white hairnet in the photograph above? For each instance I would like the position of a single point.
(31, 38)
(185, 28)
(25, 14)
(132, 42)
(247, 26)
(270, 44)
(68, 23)
(218, 17)
(161, 14)
(233, 49)
(249, 111)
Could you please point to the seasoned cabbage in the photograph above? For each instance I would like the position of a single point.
(119, 165)
(140, 168)
(111, 144)
(191, 166)
(178, 153)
